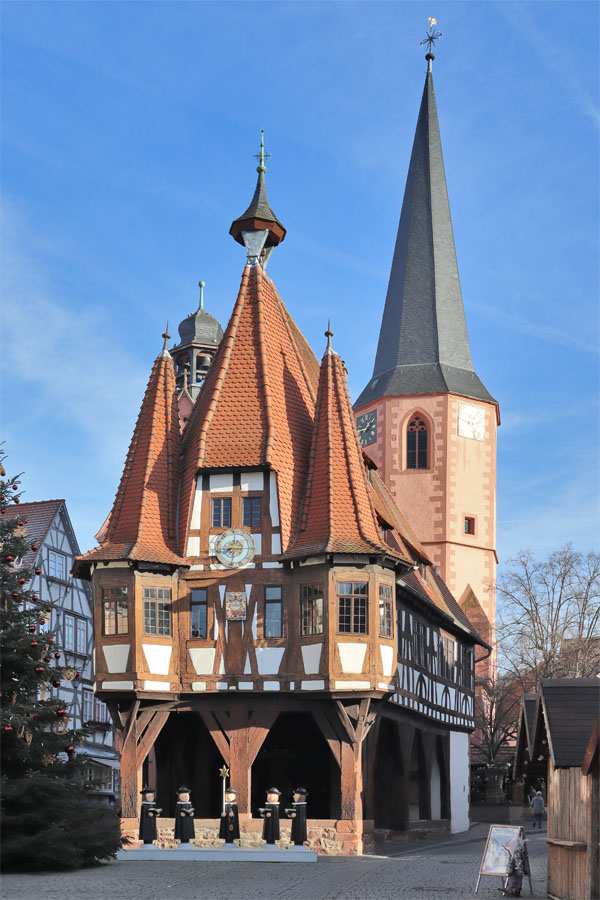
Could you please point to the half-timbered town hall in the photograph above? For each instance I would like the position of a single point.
(261, 600)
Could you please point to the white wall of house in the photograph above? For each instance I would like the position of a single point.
(459, 781)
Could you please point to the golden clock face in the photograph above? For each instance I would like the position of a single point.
(471, 421)
(235, 548)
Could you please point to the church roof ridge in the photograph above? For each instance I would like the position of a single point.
(423, 343)
(141, 524)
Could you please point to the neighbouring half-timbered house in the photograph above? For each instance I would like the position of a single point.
(261, 601)
(65, 604)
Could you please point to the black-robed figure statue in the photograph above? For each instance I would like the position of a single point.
(184, 816)
(298, 816)
(230, 823)
(270, 813)
(148, 814)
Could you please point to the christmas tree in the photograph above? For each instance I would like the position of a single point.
(47, 821)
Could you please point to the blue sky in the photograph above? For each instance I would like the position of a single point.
(128, 133)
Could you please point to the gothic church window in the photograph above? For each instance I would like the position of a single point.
(353, 598)
(311, 609)
(416, 444)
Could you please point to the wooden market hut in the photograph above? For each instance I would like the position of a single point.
(566, 736)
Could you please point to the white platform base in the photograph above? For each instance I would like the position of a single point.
(227, 853)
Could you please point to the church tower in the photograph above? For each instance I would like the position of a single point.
(425, 417)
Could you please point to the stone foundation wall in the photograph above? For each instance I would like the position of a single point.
(330, 837)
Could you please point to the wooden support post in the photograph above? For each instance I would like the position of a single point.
(131, 777)
(351, 776)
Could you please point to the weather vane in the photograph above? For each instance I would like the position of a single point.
(262, 155)
(432, 35)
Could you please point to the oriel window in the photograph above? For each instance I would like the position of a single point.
(251, 517)
(353, 599)
(311, 609)
(115, 610)
(199, 611)
(416, 444)
(221, 512)
(385, 610)
(157, 611)
(273, 622)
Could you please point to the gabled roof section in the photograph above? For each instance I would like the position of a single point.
(423, 343)
(141, 525)
(256, 406)
(40, 517)
(568, 712)
(337, 515)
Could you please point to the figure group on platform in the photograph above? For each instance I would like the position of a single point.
(229, 829)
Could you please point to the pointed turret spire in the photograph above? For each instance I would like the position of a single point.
(423, 343)
(338, 514)
(258, 228)
(142, 522)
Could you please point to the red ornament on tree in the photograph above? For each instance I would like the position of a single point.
(9, 558)
(60, 712)
(8, 728)
(32, 628)
(35, 597)
(70, 749)
(42, 621)
(21, 581)
(33, 643)
(17, 500)
(50, 640)
(14, 594)
(57, 656)
(19, 524)
(56, 683)
(34, 547)
(77, 674)
(38, 571)
(15, 487)
(40, 669)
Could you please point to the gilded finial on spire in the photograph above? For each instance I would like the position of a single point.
(167, 338)
(430, 38)
(262, 155)
(329, 335)
(201, 286)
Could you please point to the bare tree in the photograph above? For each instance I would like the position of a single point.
(549, 617)
(497, 709)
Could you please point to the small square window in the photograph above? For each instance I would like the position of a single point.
(221, 512)
(57, 565)
(469, 525)
(252, 506)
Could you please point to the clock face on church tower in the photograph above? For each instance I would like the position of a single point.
(471, 421)
(367, 427)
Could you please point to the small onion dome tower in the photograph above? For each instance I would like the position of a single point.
(258, 229)
(200, 335)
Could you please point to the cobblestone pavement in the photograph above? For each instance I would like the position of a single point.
(444, 870)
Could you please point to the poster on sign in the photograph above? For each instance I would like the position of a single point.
(501, 850)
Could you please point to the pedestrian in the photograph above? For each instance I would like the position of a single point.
(517, 867)
(537, 808)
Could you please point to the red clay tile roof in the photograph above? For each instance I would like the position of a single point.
(337, 514)
(40, 517)
(256, 406)
(141, 524)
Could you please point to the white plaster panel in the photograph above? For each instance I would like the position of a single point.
(312, 685)
(116, 656)
(292, 685)
(268, 659)
(157, 686)
(195, 568)
(275, 544)
(117, 685)
(385, 687)
(158, 657)
(387, 659)
(193, 546)
(94, 661)
(198, 685)
(352, 657)
(216, 627)
(203, 659)
(257, 538)
(311, 657)
(247, 665)
(459, 782)
(222, 665)
(252, 481)
(197, 505)
(221, 483)
(272, 565)
(246, 685)
(274, 505)
(271, 686)
(436, 789)
(352, 685)
(222, 685)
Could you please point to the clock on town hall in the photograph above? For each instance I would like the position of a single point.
(235, 548)
(367, 427)
(471, 421)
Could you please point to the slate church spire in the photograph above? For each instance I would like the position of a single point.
(423, 343)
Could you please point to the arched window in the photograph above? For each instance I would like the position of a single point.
(416, 444)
